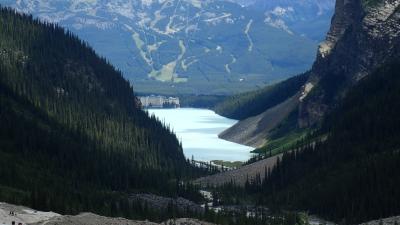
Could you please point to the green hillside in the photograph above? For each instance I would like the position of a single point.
(353, 176)
(72, 137)
(250, 104)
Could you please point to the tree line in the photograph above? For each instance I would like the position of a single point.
(352, 176)
(72, 136)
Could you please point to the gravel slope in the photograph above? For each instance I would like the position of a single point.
(239, 176)
(253, 131)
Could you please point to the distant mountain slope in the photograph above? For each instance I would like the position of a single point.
(183, 46)
(72, 136)
(310, 18)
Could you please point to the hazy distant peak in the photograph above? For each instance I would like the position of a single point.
(196, 43)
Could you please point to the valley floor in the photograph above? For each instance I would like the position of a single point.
(28, 216)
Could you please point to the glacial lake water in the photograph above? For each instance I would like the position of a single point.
(198, 131)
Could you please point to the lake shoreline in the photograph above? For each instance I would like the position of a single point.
(198, 130)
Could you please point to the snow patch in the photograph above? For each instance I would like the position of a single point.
(306, 90)
(228, 66)
(280, 11)
(278, 23)
(219, 49)
(195, 3)
(246, 31)
(83, 22)
(218, 19)
(324, 49)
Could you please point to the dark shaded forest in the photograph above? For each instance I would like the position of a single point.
(72, 135)
(351, 177)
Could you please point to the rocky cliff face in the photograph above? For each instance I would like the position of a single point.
(362, 37)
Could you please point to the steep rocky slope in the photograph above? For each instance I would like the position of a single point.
(253, 131)
(363, 36)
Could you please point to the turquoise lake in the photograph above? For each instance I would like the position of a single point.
(198, 131)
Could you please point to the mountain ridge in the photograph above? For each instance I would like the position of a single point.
(368, 30)
(182, 46)
(299, 17)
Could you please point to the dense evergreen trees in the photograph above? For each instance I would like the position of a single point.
(250, 104)
(353, 176)
(72, 136)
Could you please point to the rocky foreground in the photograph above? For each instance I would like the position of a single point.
(29, 216)
(388, 221)
(93, 219)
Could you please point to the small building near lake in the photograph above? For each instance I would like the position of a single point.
(159, 101)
